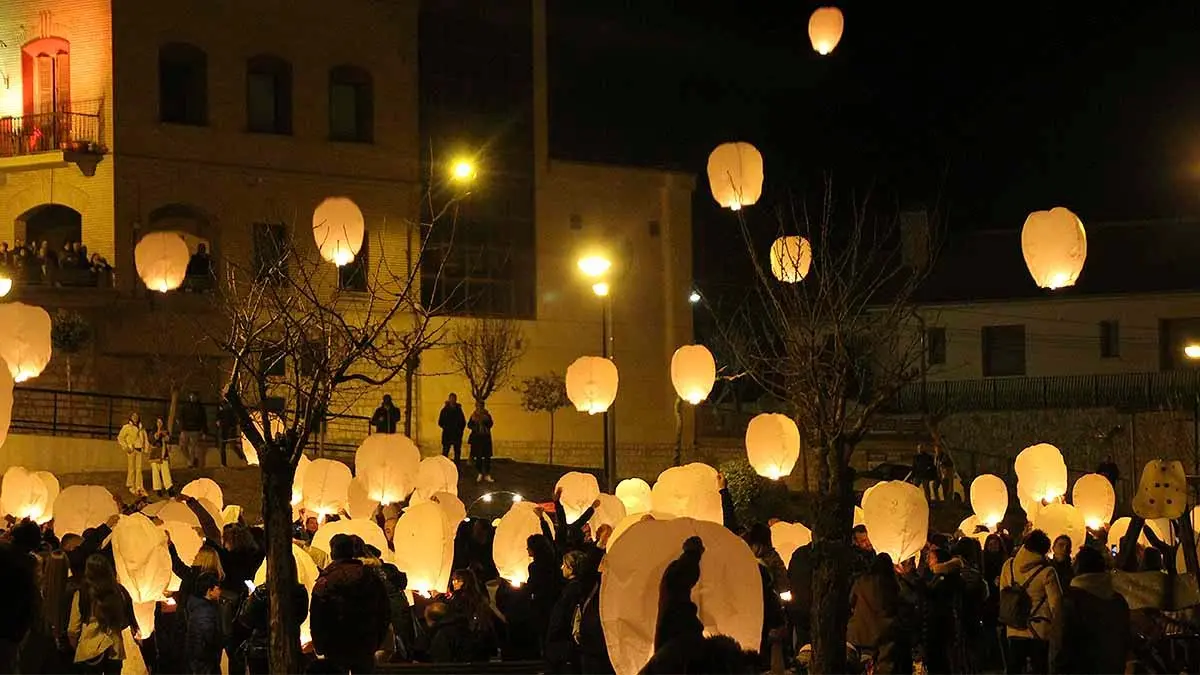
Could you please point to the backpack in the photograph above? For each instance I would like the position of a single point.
(1016, 607)
(580, 610)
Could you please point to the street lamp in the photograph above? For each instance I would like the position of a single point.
(1192, 351)
(694, 297)
(596, 266)
(462, 170)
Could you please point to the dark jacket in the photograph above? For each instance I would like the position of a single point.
(480, 439)
(385, 419)
(202, 647)
(350, 612)
(678, 616)
(447, 641)
(452, 422)
(1096, 633)
(561, 648)
(254, 618)
(192, 417)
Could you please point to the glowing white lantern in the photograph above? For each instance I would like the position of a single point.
(206, 488)
(509, 549)
(693, 372)
(52, 489)
(435, 474)
(623, 526)
(306, 575)
(161, 259)
(634, 493)
(1093, 495)
(80, 507)
(388, 466)
(825, 29)
(1055, 247)
(772, 445)
(579, 490)
(6, 400)
(338, 229)
(790, 259)
(248, 448)
(171, 511)
(230, 514)
(298, 479)
(24, 340)
(326, 487)
(610, 512)
(424, 547)
(897, 518)
(23, 494)
(735, 175)
(787, 537)
(359, 503)
(688, 491)
(728, 595)
(143, 566)
(187, 545)
(365, 529)
(452, 508)
(1162, 490)
(1062, 519)
(989, 499)
(1041, 473)
(592, 384)
(1118, 530)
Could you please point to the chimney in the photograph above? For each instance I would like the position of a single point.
(915, 238)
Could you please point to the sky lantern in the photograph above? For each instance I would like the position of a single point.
(388, 466)
(735, 174)
(579, 490)
(52, 489)
(24, 340)
(358, 501)
(610, 512)
(989, 499)
(688, 491)
(338, 229)
(860, 517)
(634, 493)
(592, 384)
(6, 400)
(509, 550)
(161, 259)
(452, 507)
(626, 523)
(297, 478)
(1093, 495)
(171, 511)
(80, 507)
(1118, 530)
(206, 488)
(728, 595)
(1162, 490)
(772, 445)
(435, 474)
(825, 29)
(306, 575)
(23, 494)
(897, 519)
(1054, 244)
(1041, 473)
(1062, 519)
(363, 528)
(790, 259)
(424, 545)
(326, 487)
(787, 537)
(231, 514)
(693, 372)
(143, 566)
(187, 545)
(248, 448)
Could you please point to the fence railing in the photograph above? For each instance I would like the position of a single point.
(43, 132)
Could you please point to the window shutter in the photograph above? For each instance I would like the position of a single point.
(45, 84)
(62, 82)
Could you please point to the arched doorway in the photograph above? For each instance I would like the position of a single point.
(196, 229)
(54, 224)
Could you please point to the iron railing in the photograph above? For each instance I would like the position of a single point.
(43, 132)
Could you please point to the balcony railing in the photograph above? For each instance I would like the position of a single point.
(45, 132)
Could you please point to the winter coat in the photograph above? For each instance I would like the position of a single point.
(678, 616)
(385, 419)
(1096, 633)
(350, 612)
(480, 439)
(1045, 620)
(202, 647)
(561, 647)
(255, 618)
(192, 417)
(132, 438)
(452, 422)
(873, 612)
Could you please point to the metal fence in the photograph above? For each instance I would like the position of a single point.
(43, 132)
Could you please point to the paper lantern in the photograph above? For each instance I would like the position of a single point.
(187, 545)
(80, 507)
(338, 229)
(610, 512)
(787, 537)
(387, 465)
(623, 526)
(161, 259)
(435, 474)
(298, 479)
(6, 400)
(424, 546)
(772, 445)
(735, 175)
(206, 488)
(688, 491)
(825, 29)
(1118, 530)
(365, 529)
(1055, 247)
(860, 518)
(359, 503)
(326, 487)
(592, 384)
(989, 499)
(1062, 519)
(509, 549)
(790, 259)
(52, 489)
(24, 340)
(728, 595)
(1162, 491)
(143, 566)
(23, 494)
(897, 518)
(693, 372)
(634, 493)
(1041, 473)
(230, 514)
(306, 575)
(171, 511)
(452, 508)
(1093, 495)
(248, 448)
(579, 490)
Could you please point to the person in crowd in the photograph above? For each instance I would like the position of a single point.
(774, 581)
(874, 616)
(1060, 558)
(924, 473)
(395, 583)
(544, 585)
(386, 417)
(20, 607)
(468, 602)
(945, 471)
(569, 536)
(205, 639)
(133, 440)
(974, 603)
(800, 581)
(193, 427)
(100, 611)
(453, 424)
(254, 625)
(350, 611)
(1096, 630)
(160, 464)
(678, 616)
(446, 636)
(1028, 573)
(562, 642)
(56, 591)
(480, 441)
(1109, 469)
(941, 625)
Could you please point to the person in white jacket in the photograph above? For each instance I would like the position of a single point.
(133, 441)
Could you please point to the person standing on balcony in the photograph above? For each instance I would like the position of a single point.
(193, 425)
(132, 439)
(1109, 469)
(453, 424)
(386, 416)
(160, 466)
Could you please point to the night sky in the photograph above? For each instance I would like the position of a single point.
(991, 110)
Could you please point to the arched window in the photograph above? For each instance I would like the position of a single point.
(351, 105)
(268, 95)
(46, 76)
(194, 226)
(182, 84)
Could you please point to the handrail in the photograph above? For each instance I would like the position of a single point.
(44, 132)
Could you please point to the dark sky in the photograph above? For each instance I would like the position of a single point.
(993, 109)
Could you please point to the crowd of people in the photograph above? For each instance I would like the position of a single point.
(40, 263)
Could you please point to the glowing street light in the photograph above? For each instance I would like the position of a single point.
(463, 170)
(600, 288)
(1192, 351)
(594, 265)
(694, 297)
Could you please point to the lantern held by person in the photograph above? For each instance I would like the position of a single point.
(1093, 495)
(452, 508)
(24, 340)
(143, 566)
(1055, 247)
(306, 575)
(80, 507)
(787, 537)
(435, 474)
(161, 259)
(772, 445)
(693, 372)
(23, 494)
(1041, 473)
(735, 175)
(52, 489)
(592, 383)
(509, 550)
(388, 466)
(358, 502)
(897, 518)
(989, 499)
(634, 493)
(187, 544)
(790, 259)
(825, 29)
(248, 448)
(610, 512)
(338, 229)
(206, 488)
(363, 528)
(1162, 492)
(297, 479)
(688, 491)
(326, 487)
(424, 545)
(579, 490)
(6, 400)
(1058, 520)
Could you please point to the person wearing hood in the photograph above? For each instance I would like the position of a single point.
(1029, 570)
(1095, 620)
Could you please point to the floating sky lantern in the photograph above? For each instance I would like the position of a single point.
(688, 491)
(388, 466)
(80, 507)
(1093, 495)
(161, 259)
(143, 566)
(772, 445)
(338, 229)
(592, 383)
(1041, 473)
(693, 373)
(989, 499)
(787, 537)
(24, 340)
(735, 175)
(424, 547)
(579, 491)
(825, 29)
(435, 474)
(897, 518)
(509, 549)
(634, 493)
(790, 259)
(326, 487)
(1054, 244)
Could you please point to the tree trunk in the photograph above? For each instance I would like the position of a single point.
(277, 476)
(678, 432)
(831, 563)
(551, 460)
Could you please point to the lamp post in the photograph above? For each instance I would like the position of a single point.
(596, 267)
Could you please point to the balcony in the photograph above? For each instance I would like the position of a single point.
(51, 140)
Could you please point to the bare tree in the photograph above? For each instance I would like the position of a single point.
(485, 351)
(544, 393)
(836, 347)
